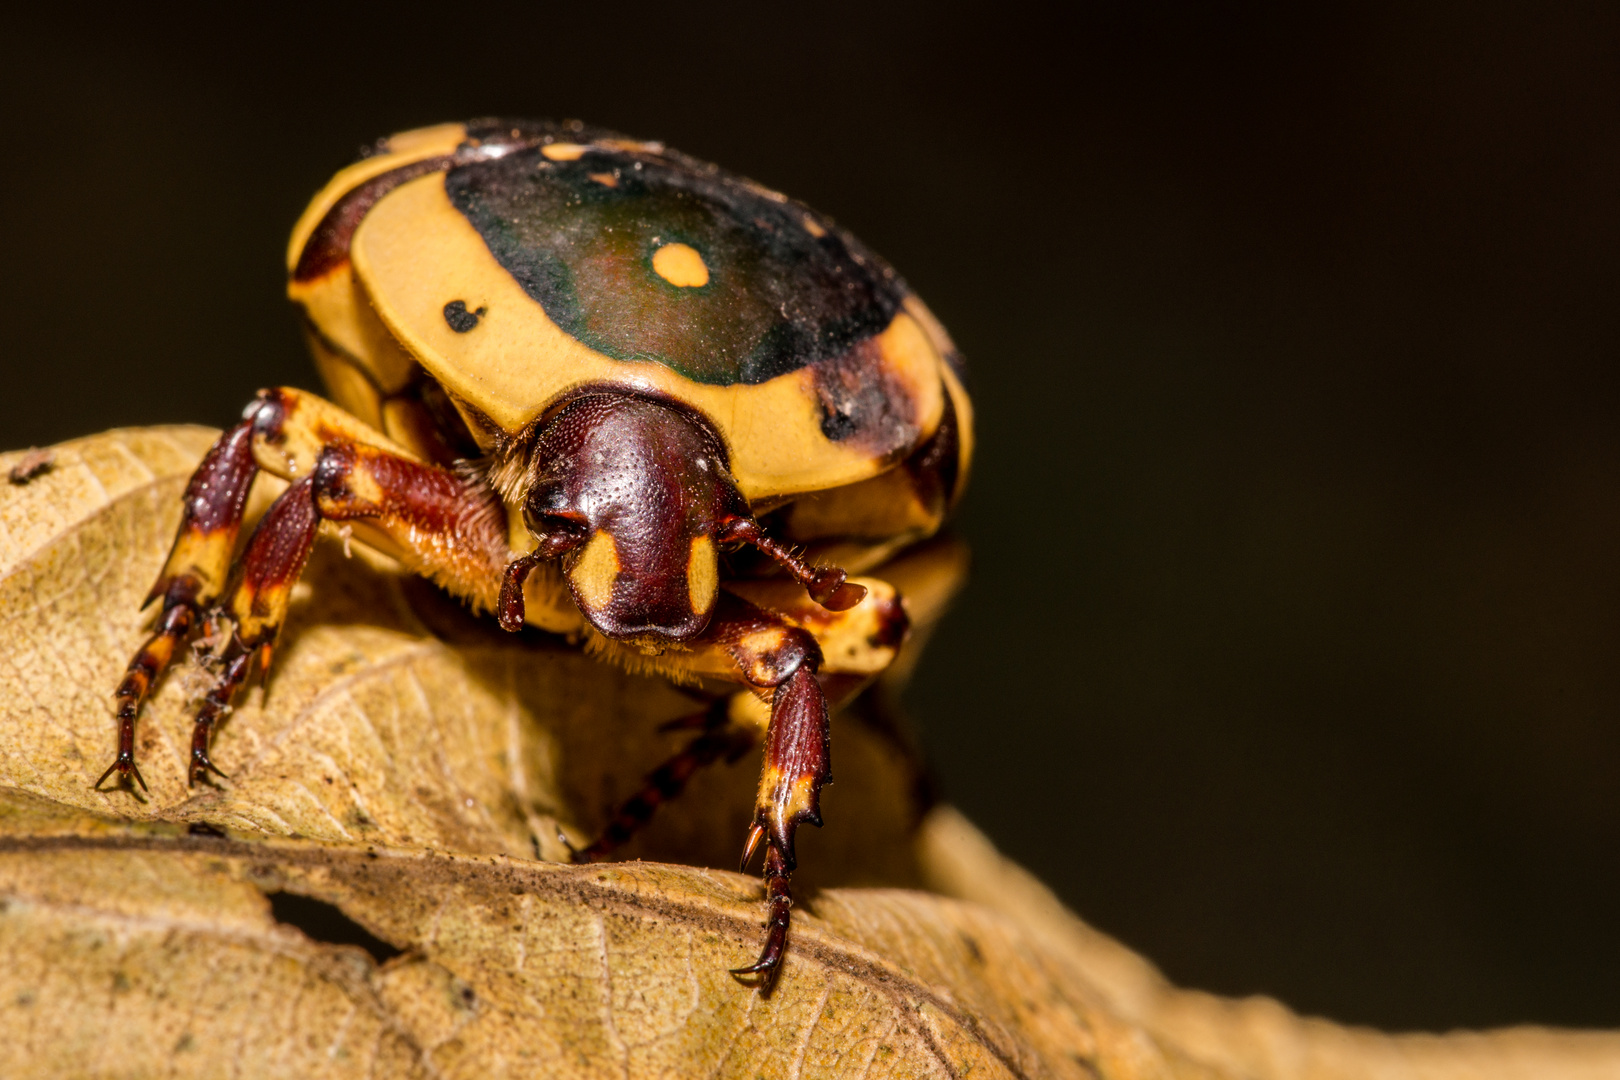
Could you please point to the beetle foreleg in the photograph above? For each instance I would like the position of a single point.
(798, 761)
(776, 657)
(451, 529)
(424, 513)
(192, 578)
(779, 895)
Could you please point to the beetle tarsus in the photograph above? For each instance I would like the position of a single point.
(214, 707)
(779, 895)
(124, 766)
(202, 765)
(173, 626)
(510, 610)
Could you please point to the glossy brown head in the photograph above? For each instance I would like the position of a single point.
(636, 496)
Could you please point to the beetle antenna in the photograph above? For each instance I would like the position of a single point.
(510, 611)
(827, 585)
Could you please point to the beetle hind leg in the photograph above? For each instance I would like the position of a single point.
(719, 738)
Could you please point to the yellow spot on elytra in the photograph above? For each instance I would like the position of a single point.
(702, 574)
(606, 179)
(680, 264)
(563, 151)
(595, 571)
(813, 227)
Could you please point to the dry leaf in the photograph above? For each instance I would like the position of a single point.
(406, 765)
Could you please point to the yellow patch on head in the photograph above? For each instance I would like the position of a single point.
(680, 264)
(702, 574)
(606, 179)
(813, 227)
(563, 151)
(595, 571)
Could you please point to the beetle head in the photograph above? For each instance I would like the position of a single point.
(635, 495)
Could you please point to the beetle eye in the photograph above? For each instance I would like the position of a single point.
(558, 533)
(551, 521)
(545, 501)
(558, 523)
(564, 524)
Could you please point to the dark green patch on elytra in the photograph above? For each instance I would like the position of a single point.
(579, 237)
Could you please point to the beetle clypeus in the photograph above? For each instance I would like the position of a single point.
(576, 376)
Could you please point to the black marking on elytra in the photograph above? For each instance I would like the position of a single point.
(460, 319)
(837, 425)
(862, 403)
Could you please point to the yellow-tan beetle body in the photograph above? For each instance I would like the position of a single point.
(579, 378)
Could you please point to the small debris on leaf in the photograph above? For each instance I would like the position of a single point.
(35, 462)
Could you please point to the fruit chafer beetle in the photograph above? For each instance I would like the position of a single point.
(576, 376)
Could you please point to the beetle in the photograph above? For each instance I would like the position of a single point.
(592, 385)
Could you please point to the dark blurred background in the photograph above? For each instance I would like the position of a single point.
(1291, 652)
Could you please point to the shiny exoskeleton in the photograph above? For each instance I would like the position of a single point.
(578, 377)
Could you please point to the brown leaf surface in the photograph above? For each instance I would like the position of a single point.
(412, 768)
